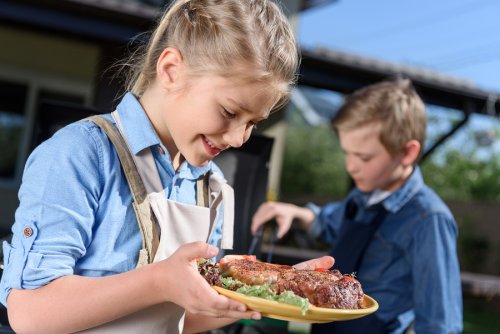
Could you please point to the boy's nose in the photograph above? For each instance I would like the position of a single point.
(237, 136)
(350, 166)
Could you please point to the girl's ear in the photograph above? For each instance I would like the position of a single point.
(167, 67)
(411, 152)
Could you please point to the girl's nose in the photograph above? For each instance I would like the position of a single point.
(237, 136)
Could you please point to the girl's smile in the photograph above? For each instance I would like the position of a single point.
(212, 149)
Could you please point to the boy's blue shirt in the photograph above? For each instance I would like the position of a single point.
(411, 266)
(77, 203)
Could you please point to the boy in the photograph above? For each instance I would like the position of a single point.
(391, 229)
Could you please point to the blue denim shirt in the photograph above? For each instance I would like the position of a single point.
(411, 266)
(75, 214)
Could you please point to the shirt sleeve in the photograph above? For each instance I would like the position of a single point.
(436, 273)
(58, 197)
(327, 221)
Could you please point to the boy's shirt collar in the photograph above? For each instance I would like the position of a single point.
(401, 196)
(397, 199)
(141, 135)
(378, 196)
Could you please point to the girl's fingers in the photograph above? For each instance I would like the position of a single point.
(227, 308)
(196, 250)
(232, 314)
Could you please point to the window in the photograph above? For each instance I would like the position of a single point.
(23, 97)
(13, 98)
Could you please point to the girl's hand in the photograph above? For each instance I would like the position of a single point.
(179, 282)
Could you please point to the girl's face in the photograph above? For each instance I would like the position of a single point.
(369, 163)
(202, 116)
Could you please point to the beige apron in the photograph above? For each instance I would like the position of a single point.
(179, 223)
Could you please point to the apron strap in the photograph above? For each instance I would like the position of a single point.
(223, 191)
(202, 190)
(354, 238)
(144, 162)
(143, 212)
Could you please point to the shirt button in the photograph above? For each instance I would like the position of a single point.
(28, 232)
(160, 149)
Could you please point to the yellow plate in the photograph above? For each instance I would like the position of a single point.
(273, 309)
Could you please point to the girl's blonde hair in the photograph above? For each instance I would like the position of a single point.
(394, 104)
(248, 39)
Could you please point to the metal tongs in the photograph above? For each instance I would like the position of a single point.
(257, 239)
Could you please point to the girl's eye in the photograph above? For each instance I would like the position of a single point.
(252, 125)
(227, 113)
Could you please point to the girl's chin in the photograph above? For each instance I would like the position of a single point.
(198, 162)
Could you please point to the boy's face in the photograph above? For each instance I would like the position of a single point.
(368, 162)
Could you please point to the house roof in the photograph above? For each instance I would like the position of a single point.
(144, 9)
(98, 20)
(343, 72)
(116, 21)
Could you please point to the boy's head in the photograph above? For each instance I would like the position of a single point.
(381, 129)
(394, 105)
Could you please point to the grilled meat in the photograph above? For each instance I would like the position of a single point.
(327, 288)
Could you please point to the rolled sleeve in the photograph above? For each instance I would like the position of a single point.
(54, 221)
(327, 221)
(316, 227)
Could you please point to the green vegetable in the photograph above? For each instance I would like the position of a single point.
(231, 283)
(266, 292)
(261, 291)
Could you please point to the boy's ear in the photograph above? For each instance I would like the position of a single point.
(411, 152)
(168, 66)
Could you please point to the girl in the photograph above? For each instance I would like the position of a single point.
(85, 254)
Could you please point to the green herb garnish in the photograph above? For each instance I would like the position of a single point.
(266, 292)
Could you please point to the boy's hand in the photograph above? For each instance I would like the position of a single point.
(324, 262)
(180, 282)
(283, 214)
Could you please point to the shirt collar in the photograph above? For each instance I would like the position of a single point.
(139, 130)
(401, 196)
(398, 198)
(187, 171)
(141, 134)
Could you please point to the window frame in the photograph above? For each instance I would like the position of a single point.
(36, 82)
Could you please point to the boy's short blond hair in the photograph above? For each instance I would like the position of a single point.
(394, 104)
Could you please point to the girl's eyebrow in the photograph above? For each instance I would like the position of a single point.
(245, 109)
(240, 106)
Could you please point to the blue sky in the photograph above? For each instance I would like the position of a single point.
(460, 38)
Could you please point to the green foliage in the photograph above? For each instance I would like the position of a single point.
(313, 163)
(480, 315)
(460, 176)
(473, 249)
